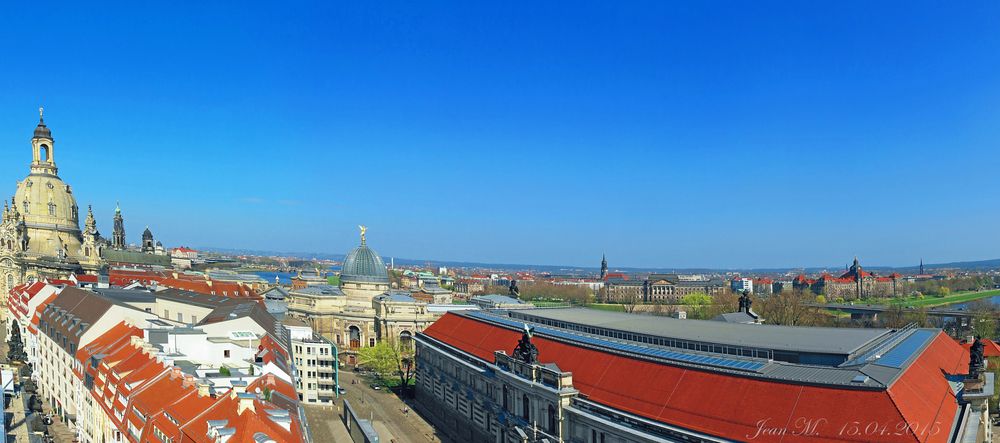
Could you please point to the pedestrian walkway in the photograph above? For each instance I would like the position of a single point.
(19, 427)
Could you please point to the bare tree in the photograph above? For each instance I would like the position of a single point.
(790, 308)
(630, 301)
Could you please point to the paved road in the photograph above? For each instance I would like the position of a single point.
(325, 424)
(385, 410)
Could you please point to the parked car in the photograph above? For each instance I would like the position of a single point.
(341, 391)
(376, 387)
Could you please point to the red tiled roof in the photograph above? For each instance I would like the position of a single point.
(990, 348)
(156, 391)
(86, 278)
(731, 406)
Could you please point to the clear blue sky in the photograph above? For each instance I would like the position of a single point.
(722, 134)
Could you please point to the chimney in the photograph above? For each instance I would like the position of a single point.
(239, 387)
(246, 400)
(175, 372)
(188, 381)
(204, 388)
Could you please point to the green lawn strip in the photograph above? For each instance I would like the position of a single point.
(940, 301)
(607, 307)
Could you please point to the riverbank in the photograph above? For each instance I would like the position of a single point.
(933, 302)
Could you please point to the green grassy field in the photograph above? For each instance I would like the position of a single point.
(607, 307)
(930, 302)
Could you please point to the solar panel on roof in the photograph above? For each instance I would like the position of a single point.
(902, 352)
(671, 355)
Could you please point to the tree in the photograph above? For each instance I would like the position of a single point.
(984, 323)
(390, 356)
(700, 305)
(15, 351)
(821, 299)
(629, 302)
(894, 317)
(919, 316)
(790, 308)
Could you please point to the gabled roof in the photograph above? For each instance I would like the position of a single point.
(731, 406)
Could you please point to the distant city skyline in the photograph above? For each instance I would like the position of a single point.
(703, 135)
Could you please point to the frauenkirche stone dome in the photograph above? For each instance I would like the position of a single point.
(47, 203)
(40, 234)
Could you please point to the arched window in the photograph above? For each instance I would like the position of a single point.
(10, 281)
(552, 419)
(405, 340)
(526, 407)
(355, 336)
(52, 208)
(26, 211)
(43, 153)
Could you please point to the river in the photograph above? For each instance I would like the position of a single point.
(286, 277)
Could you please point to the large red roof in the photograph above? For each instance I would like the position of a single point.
(733, 406)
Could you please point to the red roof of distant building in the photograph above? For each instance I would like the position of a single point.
(86, 278)
(990, 347)
(620, 275)
(731, 406)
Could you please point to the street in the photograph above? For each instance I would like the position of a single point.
(382, 407)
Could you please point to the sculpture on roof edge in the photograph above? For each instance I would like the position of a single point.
(525, 350)
(976, 358)
(513, 290)
(745, 302)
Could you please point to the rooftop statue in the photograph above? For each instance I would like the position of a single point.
(976, 362)
(525, 350)
(513, 290)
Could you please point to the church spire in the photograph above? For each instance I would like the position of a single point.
(604, 266)
(118, 233)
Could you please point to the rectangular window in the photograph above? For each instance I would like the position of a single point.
(225, 353)
(180, 317)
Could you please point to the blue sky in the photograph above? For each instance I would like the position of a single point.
(721, 134)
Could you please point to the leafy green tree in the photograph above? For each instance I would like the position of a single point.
(821, 299)
(984, 323)
(696, 299)
(390, 356)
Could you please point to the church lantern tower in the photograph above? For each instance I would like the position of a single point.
(118, 233)
(43, 160)
(604, 267)
(148, 246)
